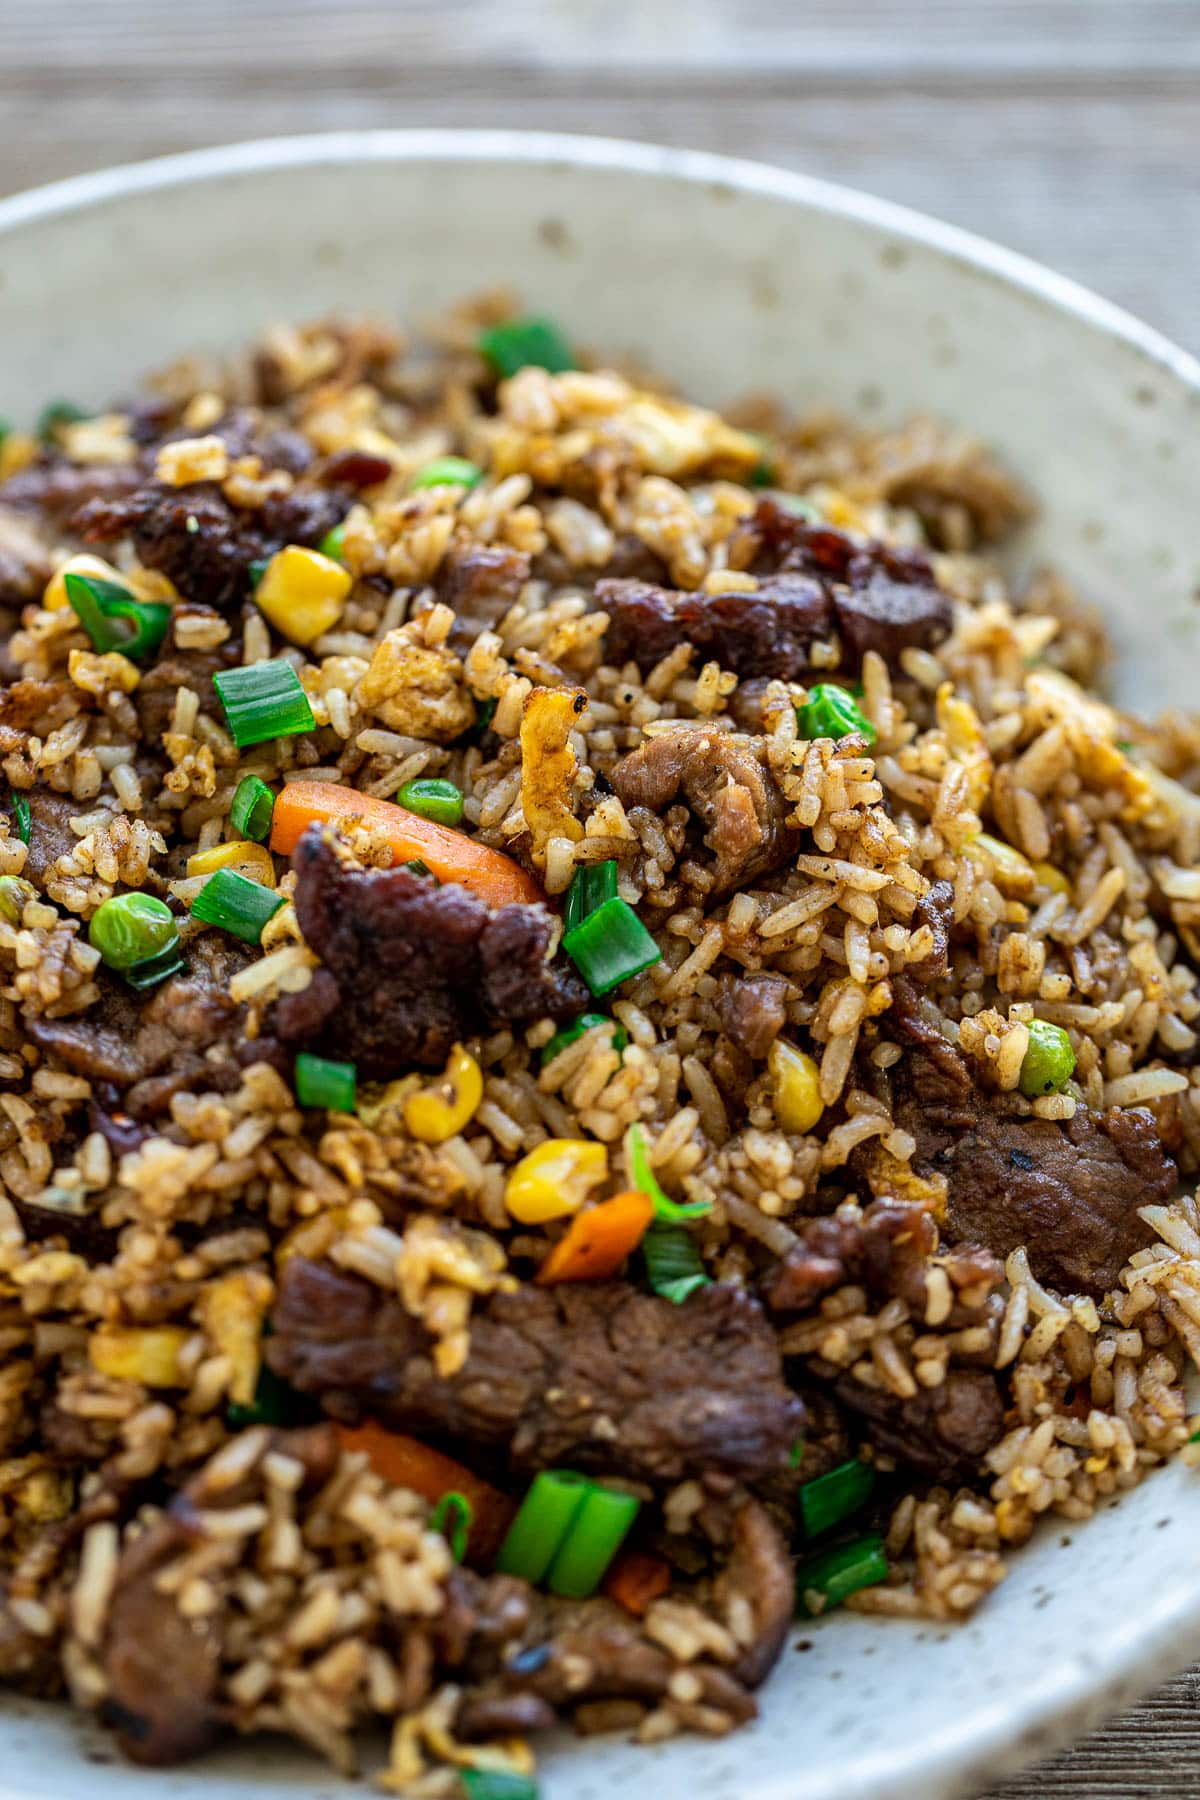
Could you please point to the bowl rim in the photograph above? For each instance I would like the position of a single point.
(458, 144)
(1140, 1651)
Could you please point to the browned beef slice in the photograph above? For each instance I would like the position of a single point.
(943, 1431)
(595, 1376)
(1069, 1191)
(27, 1662)
(935, 909)
(410, 968)
(203, 543)
(728, 787)
(57, 489)
(751, 1009)
(50, 834)
(759, 1574)
(887, 1251)
(770, 632)
(480, 581)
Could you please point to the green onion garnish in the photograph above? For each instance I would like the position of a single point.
(257, 569)
(763, 472)
(433, 799)
(333, 544)
(114, 619)
(5, 429)
(453, 1516)
(673, 1266)
(828, 1499)
(830, 712)
(275, 1401)
(610, 945)
(825, 1581)
(1049, 1061)
(666, 1210)
(320, 1082)
(22, 816)
(415, 866)
(591, 885)
(56, 413)
(519, 342)
(253, 805)
(597, 1532)
(497, 1784)
(262, 701)
(570, 1034)
(128, 929)
(236, 904)
(796, 1454)
(447, 471)
(485, 712)
(156, 969)
(541, 1526)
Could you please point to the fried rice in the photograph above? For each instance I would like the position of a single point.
(702, 1022)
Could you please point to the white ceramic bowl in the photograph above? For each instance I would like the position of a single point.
(728, 276)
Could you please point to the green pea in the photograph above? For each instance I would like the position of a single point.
(1049, 1061)
(433, 799)
(13, 895)
(830, 712)
(129, 928)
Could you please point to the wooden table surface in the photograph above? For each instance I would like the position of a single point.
(1069, 129)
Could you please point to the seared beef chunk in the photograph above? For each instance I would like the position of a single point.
(729, 788)
(57, 488)
(153, 1047)
(50, 834)
(27, 1661)
(759, 1576)
(1069, 1191)
(770, 632)
(409, 968)
(596, 1376)
(751, 1009)
(203, 543)
(162, 1666)
(481, 582)
(936, 910)
(942, 1432)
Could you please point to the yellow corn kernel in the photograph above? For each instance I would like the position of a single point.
(796, 1081)
(303, 593)
(232, 1312)
(1011, 872)
(440, 1111)
(145, 1353)
(1049, 876)
(251, 860)
(17, 450)
(54, 596)
(555, 1179)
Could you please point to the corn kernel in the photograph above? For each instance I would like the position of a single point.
(149, 1354)
(251, 860)
(555, 1179)
(303, 593)
(440, 1111)
(797, 1086)
(17, 450)
(232, 1311)
(54, 596)
(1049, 876)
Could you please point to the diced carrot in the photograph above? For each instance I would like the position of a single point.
(598, 1240)
(635, 1579)
(450, 855)
(406, 1462)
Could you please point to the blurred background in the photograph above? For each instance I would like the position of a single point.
(1066, 128)
(1069, 129)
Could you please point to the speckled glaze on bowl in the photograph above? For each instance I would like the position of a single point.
(728, 276)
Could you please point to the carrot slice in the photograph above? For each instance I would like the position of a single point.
(450, 855)
(406, 1462)
(636, 1579)
(598, 1240)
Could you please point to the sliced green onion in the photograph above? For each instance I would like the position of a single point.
(673, 1266)
(1049, 1061)
(453, 1516)
(253, 805)
(591, 885)
(22, 816)
(497, 1784)
(415, 866)
(828, 1499)
(610, 945)
(796, 1454)
(485, 712)
(320, 1082)
(156, 969)
(333, 544)
(5, 430)
(540, 1528)
(596, 1533)
(275, 1401)
(236, 904)
(666, 1210)
(257, 569)
(114, 619)
(520, 342)
(571, 1034)
(825, 1581)
(434, 799)
(447, 471)
(830, 712)
(56, 413)
(131, 928)
(263, 700)
(763, 472)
